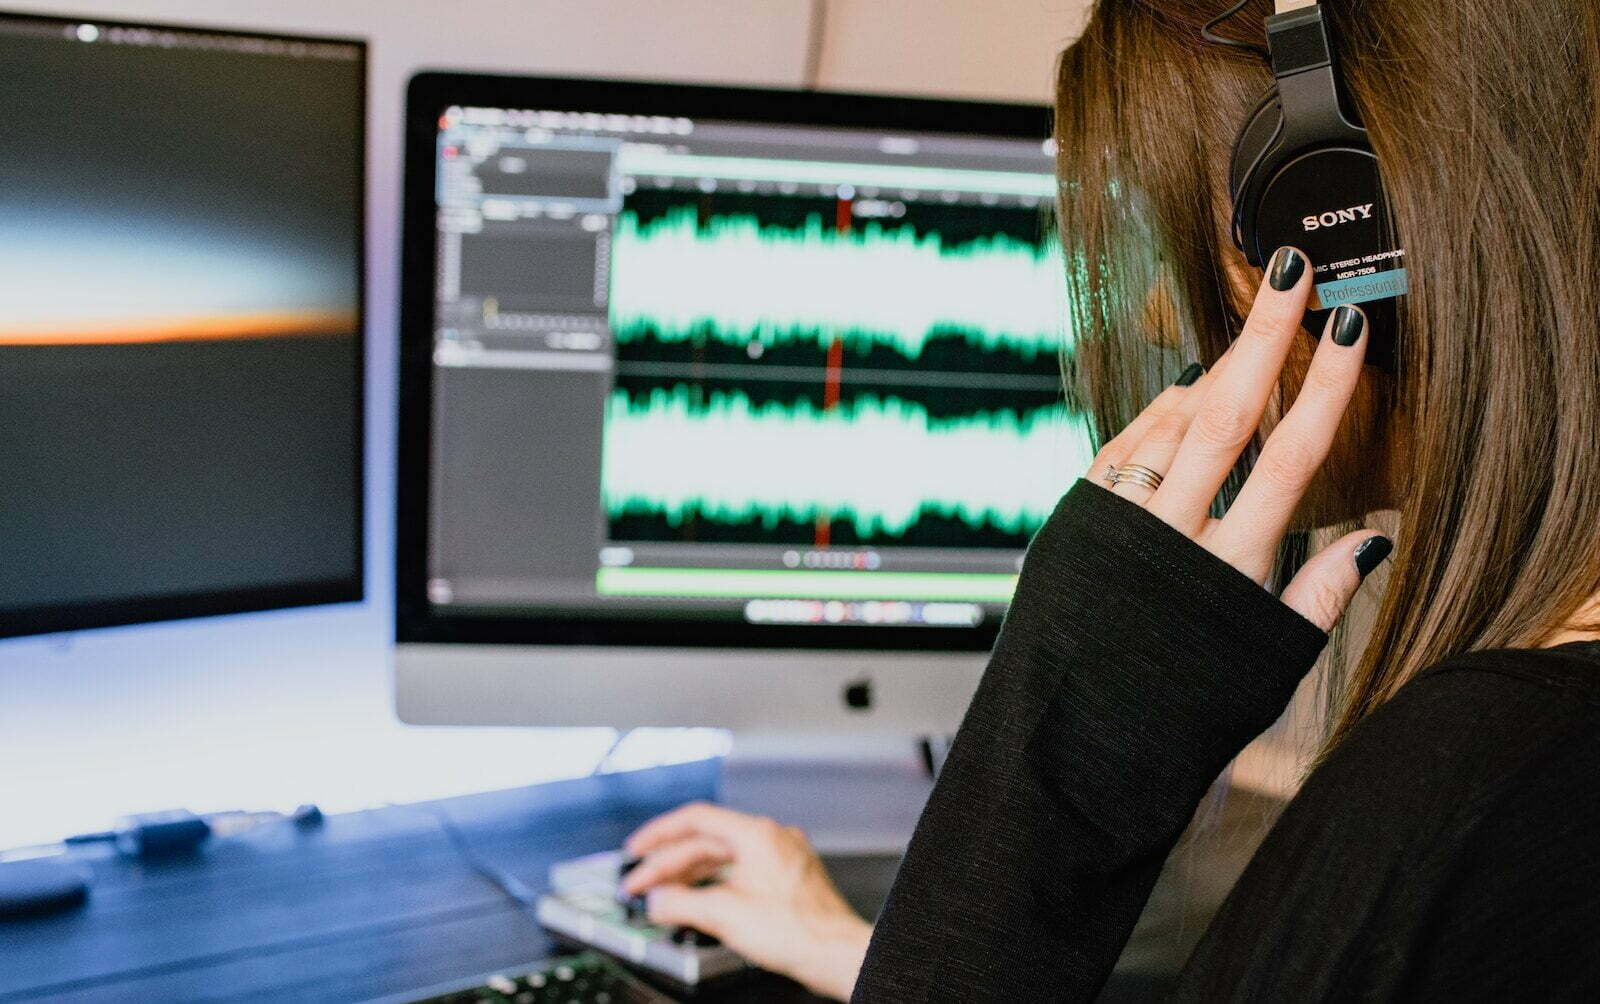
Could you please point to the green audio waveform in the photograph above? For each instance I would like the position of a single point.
(879, 463)
(676, 280)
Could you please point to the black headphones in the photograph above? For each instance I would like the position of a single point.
(1303, 173)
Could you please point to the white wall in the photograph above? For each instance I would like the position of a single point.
(272, 709)
(998, 49)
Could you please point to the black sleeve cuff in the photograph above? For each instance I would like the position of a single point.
(1157, 660)
(1132, 667)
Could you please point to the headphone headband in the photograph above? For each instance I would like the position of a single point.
(1308, 89)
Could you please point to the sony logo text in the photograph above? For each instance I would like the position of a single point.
(1334, 219)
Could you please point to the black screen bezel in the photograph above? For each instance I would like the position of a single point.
(18, 622)
(428, 96)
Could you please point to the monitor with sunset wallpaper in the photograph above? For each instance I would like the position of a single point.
(180, 322)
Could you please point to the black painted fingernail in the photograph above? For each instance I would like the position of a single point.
(1347, 324)
(1194, 372)
(1288, 265)
(1371, 554)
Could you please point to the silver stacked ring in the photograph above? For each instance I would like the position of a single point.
(1134, 474)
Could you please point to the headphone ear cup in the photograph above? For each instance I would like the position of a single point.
(1250, 148)
(1260, 128)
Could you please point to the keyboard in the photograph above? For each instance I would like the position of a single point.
(588, 978)
(583, 907)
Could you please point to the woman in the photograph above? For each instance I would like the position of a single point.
(1448, 843)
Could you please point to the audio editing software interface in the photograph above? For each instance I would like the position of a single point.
(778, 374)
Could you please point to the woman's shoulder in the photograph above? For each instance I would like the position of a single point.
(1477, 755)
(1445, 849)
(1566, 672)
(1468, 726)
(1459, 745)
(1502, 702)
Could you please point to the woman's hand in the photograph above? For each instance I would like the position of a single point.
(1191, 436)
(772, 902)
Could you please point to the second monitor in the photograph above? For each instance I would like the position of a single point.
(691, 374)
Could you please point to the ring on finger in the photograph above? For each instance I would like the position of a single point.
(1135, 474)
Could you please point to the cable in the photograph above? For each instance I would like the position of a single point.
(601, 764)
(1209, 34)
(514, 888)
(176, 831)
(816, 31)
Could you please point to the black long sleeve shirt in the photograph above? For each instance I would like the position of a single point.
(1448, 849)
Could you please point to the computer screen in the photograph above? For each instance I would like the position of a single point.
(714, 366)
(180, 322)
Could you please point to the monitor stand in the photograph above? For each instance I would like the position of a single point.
(849, 793)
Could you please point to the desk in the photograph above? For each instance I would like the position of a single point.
(371, 903)
(380, 902)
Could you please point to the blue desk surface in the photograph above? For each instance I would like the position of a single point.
(372, 903)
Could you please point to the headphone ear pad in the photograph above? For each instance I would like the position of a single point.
(1261, 127)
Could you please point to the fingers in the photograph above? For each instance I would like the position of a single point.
(711, 909)
(1233, 405)
(1117, 451)
(1247, 537)
(685, 861)
(1163, 435)
(735, 829)
(1185, 388)
(1327, 583)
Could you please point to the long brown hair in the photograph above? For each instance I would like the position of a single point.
(1483, 116)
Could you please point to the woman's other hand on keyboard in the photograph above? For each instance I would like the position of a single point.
(765, 893)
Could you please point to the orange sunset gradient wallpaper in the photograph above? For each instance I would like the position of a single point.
(180, 333)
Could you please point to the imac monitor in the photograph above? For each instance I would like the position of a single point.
(719, 406)
(180, 322)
